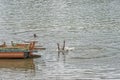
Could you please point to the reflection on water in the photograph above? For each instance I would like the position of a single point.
(16, 69)
(23, 64)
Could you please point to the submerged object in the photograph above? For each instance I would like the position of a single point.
(64, 48)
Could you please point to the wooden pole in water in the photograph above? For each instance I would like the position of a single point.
(58, 46)
(58, 49)
(63, 45)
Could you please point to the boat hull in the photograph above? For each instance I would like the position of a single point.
(17, 50)
(14, 55)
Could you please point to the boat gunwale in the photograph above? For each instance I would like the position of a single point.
(13, 50)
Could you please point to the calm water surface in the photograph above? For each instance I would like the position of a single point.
(92, 27)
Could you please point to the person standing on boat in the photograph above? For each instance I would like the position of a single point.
(34, 35)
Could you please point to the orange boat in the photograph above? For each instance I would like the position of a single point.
(17, 50)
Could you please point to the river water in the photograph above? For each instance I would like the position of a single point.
(91, 27)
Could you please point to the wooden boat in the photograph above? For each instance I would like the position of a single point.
(17, 50)
(36, 47)
(39, 48)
